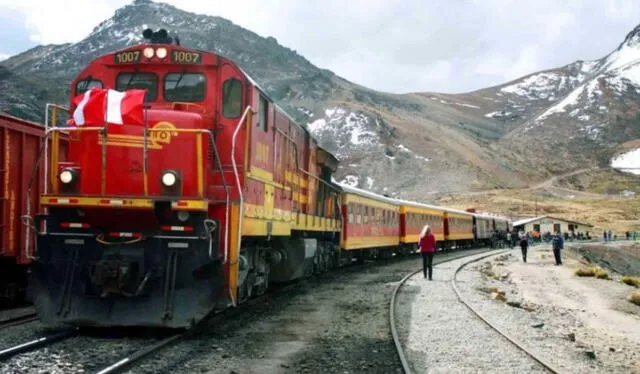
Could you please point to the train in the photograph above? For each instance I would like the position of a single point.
(218, 196)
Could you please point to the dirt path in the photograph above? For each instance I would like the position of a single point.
(584, 325)
(549, 185)
(549, 182)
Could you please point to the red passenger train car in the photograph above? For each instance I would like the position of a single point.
(369, 221)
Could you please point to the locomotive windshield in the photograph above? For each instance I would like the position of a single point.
(136, 80)
(184, 87)
(87, 84)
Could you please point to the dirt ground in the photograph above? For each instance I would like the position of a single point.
(582, 316)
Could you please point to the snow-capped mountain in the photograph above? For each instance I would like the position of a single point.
(412, 145)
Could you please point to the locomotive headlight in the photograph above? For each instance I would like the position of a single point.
(169, 178)
(66, 176)
(148, 52)
(161, 52)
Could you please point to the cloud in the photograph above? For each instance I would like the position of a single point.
(407, 46)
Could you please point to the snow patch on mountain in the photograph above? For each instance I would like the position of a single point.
(370, 182)
(570, 100)
(342, 131)
(628, 162)
(498, 114)
(404, 149)
(625, 55)
(350, 180)
(542, 85)
(590, 132)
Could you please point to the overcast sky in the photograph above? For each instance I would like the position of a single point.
(395, 46)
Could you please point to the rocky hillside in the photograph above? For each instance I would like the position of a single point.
(413, 145)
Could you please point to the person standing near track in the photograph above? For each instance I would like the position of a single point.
(524, 244)
(557, 244)
(427, 245)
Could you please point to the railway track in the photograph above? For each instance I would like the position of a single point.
(15, 321)
(406, 366)
(36, 343)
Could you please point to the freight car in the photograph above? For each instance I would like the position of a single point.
(219, 194)
(20, 143)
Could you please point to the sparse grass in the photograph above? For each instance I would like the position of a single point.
(632, 281)
(592, 272)
(602, 274)
(634, 298)
(586, 272)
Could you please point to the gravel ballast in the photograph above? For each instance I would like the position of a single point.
(333, 323)
(440, 335)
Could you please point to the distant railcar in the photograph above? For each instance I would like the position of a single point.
(458, 227)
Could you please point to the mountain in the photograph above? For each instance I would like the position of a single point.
(414, 145)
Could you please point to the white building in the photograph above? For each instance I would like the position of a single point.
(544, 224)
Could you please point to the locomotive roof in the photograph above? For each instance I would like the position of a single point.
(435, 207)
(416, 204)
(372, 195)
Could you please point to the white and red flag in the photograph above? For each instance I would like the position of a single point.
(100, 106)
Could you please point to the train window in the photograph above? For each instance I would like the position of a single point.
(188, 87)
(87, 84)
(263, 112)
(232, 98)
(350, 212)
(141, 81)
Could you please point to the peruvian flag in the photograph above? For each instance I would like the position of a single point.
(100, 106)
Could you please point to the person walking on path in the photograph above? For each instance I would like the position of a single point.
(524, 244)
(558, 245)
(427, 245)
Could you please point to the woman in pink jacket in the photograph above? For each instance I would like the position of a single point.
(427, 244)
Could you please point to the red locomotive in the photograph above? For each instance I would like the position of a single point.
(219, 194)
(158, 226)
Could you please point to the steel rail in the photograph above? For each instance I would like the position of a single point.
(138, 355)
(392, 306)
(18, 320)
(513, 341)
(43, 341)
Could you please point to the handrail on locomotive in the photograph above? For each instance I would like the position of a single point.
(50, 166)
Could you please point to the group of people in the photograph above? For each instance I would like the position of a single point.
(608, 236)
(557, 244)
(427, 244)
